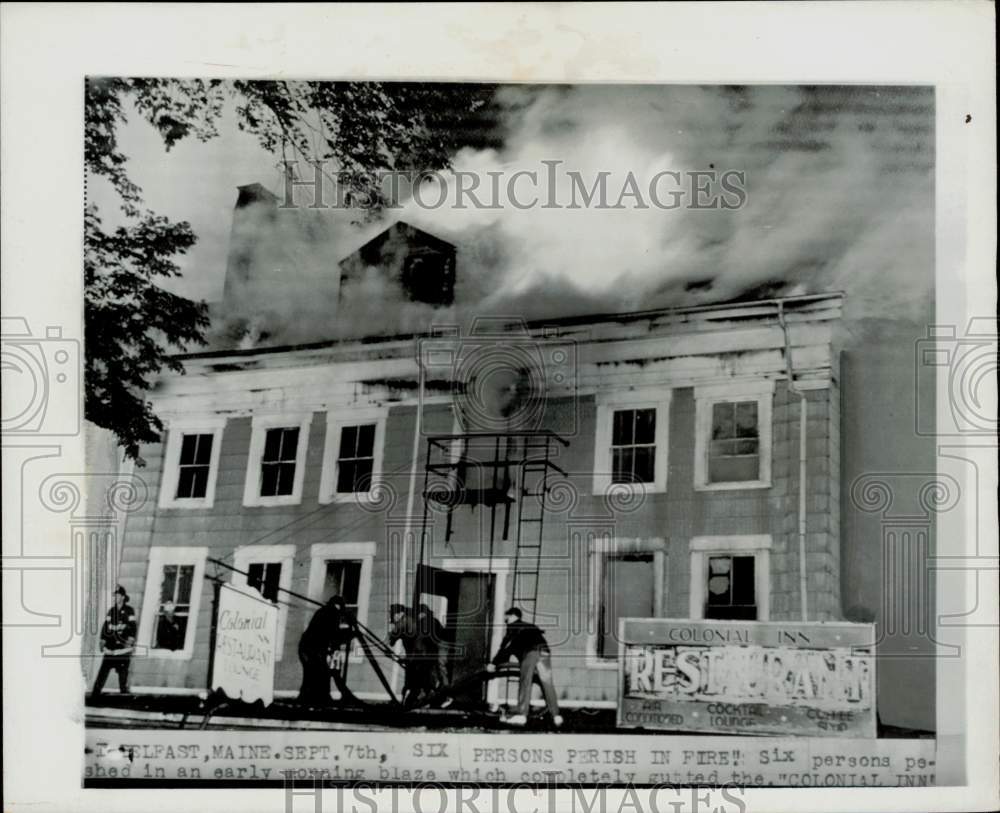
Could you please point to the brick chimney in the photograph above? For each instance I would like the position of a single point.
(284, 285)
(282, 279)
(252, 248)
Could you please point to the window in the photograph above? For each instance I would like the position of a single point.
(628, 591)
(429, 277)
(191, 463)
(276, 461)
(631, 441)
(352, 455)
(264, 577)
(343, 569)
(633, 446)
(734, 451)
(195, 463)
(627, 580)
(731, 591)
(277, 466)
(343, 578)
(730, 577)
(175, 595)
(733, 435)
(169, 613)
(356, 459)
(268, 569)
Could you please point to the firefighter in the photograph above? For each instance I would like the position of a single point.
(527, 644)
(322, 636)
(117, 642)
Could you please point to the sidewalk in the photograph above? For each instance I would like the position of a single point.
(171, 711)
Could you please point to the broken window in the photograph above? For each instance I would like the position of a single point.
(731, 590)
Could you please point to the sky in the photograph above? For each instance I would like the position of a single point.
(839, 195)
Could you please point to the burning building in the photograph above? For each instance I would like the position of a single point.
(683, 463)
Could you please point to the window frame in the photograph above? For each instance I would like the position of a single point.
(246, 555)
(600, 548)
(656, 399)
(756, 545)
(323, 552)
(176, 430)
(731, 606)
(159, 557)
(760, 391)
(336, 420)
(255, 458)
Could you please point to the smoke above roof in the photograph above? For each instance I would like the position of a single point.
(839, 195)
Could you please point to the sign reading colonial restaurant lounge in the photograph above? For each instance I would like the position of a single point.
(747, 677)
(245, 642)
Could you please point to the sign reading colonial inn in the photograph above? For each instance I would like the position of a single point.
(815, 679)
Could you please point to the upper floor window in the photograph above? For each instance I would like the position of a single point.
(631, 441)
(734, 450)
(356, 459)
(276, 461)
(191, 463)
(195, 464)
(733, 435)
(277, 466)
(633, 446)
(352, 457)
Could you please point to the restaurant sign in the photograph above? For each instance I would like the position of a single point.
(245, 644)
(747, 677)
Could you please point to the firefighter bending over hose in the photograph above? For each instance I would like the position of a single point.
(323, 636)
(527, 644)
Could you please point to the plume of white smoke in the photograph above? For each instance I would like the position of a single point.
(839, 196)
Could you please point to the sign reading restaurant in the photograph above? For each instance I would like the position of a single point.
(747, 677)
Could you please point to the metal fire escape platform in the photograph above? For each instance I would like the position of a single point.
(505, 473)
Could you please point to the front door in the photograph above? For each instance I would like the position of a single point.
(628, 592)
(463, 602)
(472, 623)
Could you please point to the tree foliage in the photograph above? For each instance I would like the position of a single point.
(133, 327)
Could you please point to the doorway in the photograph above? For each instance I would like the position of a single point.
(463, 596)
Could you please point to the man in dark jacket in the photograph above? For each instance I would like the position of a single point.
(117, 642)
(322, 636)
(527, 644)
(404, 626)
(431, 644)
